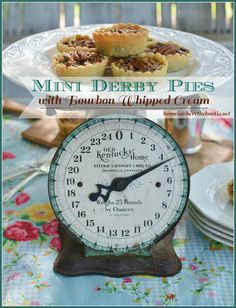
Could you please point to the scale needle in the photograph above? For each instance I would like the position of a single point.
(119, 184)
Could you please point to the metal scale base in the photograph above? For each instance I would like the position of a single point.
(73, 261)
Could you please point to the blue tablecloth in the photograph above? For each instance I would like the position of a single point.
(31, 242)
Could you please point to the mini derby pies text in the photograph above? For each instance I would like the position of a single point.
(128, 92)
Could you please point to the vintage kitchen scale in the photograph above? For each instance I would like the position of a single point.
(119, 185)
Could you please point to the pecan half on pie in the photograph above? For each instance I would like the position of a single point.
(147, 65)
(121, 40)
(79, 64)
(76, 43)
(177, 56)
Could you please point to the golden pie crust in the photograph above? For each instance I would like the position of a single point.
(79, 64)
(76, 43)
(150, 41)
(178, 57)
(121, 40)
(144, 65)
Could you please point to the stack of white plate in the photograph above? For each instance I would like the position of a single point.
(210, 208)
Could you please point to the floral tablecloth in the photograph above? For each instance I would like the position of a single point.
(31, 243)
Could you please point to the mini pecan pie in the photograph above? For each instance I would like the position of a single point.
(121, 40)
(147, 65)
(177, 56)
(79, 64)
(76, 43)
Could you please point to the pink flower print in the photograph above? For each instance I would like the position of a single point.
(8, 155)
(56, 243)
(13, 276)
(44, 282)
(9, 212)
(22, 198)
(211, 294)
(35, 303)
(182, 258)
(158, 303)
(202, 279)
(193, 267)
(21, 231)
(127, 280)
(51, 227)
(170, 296)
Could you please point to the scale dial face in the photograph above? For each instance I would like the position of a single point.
(119, 183)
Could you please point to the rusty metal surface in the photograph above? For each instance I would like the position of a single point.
(71, 261)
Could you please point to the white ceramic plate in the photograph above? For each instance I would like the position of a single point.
(211, 234)
(209, 193)
(31, 56)
(210, 229)
(209, 222)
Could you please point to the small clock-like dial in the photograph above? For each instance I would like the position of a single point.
(119, 183)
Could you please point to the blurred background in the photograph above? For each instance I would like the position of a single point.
(208, 19)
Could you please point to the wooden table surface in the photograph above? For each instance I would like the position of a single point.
(211, 152)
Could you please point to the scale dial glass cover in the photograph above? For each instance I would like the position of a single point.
(103, 188)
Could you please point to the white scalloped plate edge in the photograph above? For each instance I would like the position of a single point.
(202, 188)
(212, 235)
(208, 228)
(208, 221)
